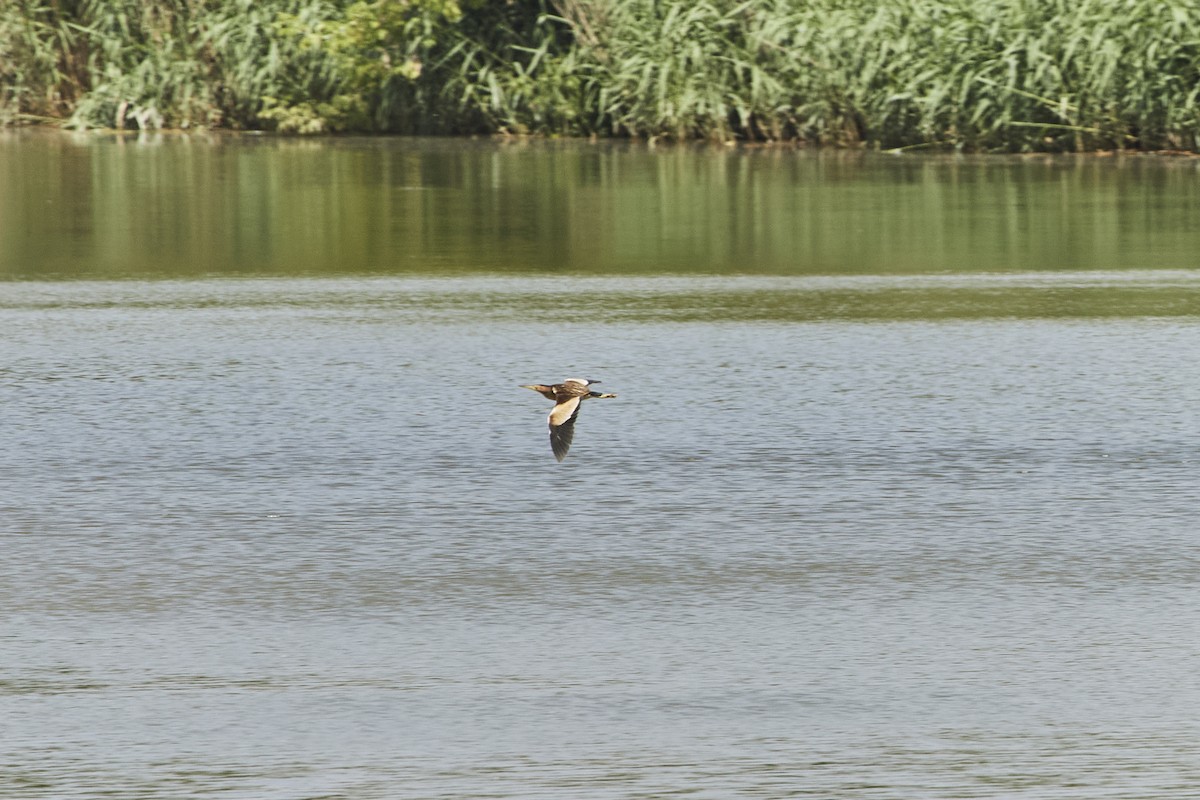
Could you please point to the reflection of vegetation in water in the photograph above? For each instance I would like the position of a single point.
(1004, 75)
(74, 204)
(918, 299)
(603, 301)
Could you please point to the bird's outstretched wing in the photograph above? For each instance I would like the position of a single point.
(562, 426)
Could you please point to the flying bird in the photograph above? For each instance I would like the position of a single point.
(566, 396)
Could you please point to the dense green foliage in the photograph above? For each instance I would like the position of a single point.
(1004, 75)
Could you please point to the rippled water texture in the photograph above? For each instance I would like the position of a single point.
(306, 539)
(900, 528)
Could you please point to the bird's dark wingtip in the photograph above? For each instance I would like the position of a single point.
(560, 441)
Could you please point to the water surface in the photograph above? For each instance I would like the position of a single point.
(102, 206)
(909, 512)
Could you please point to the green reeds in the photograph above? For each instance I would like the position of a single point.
(149, 63)
(1006, 75)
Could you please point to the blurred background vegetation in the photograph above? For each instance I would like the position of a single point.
(1005, 75)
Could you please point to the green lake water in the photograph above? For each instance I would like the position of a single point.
(90, 206)
(897, 498)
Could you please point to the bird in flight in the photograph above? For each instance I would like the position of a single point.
(566, 396)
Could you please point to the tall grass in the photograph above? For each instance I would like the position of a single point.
(36, 51)
(1005, 75)
(149, 63)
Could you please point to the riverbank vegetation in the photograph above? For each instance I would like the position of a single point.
(1008, 75)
